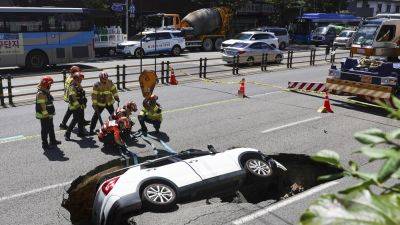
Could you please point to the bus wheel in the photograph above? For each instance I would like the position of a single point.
(36, 60)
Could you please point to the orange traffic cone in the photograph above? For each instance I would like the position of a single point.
(326, 108)
(242, 89)
(172, 79)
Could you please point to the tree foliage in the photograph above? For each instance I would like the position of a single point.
(376, 199)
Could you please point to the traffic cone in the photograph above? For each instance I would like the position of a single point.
(172, 79)
(242, 89)
(326, 108)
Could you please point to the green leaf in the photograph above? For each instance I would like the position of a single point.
(371, 136)
(358, 187)
(356, 208)
(396, 175)
(353, 166)
(389, 168)
(330, 177)
(396, 102)
(365, 176)
(377, 153)
(327, 156)
(393, 135)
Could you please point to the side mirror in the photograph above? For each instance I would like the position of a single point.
(212, 149)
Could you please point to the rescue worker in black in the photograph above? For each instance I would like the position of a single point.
(45, 111)
(77, 104)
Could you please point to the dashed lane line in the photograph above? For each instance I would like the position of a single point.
(34, 191)
(288, 201)
(291, 124)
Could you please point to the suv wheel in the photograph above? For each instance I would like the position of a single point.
(139, 53)
(158, 195)
(258, 168)
(176, 50)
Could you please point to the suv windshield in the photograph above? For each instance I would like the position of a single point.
(137, 37)
(239, 45)
(321, 30)
(243, 36)
(366, 34)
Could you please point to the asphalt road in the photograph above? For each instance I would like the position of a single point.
(197, 113)
(187, 65)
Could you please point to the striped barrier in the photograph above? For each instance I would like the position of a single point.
(358, 88)
(307, 86)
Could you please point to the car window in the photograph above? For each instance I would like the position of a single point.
(386, 33)
(280, 32)
(150, 37)
(177, 34)
(262, 36)
(257, 45)
(163, 36)
(239, 45)
(266, 46)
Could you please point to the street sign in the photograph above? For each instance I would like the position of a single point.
(117, 7)
(132, 9)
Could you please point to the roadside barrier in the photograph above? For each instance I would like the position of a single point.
(307, 86)
(14, 89)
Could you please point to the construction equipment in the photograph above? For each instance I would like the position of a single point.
(204, 28)
(371, 78)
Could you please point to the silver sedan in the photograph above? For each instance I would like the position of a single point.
(251, 52)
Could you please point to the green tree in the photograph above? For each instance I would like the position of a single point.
(376, 199)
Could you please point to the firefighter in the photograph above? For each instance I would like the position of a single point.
(45, 111)
(77, 104)
(68, 80)
(103, 97)
(112, 133)
(151, 113)
(125, 111)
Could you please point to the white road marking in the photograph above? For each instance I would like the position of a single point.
(11, 139)
(291, 124)
(268, 93)
(34, 191)
(283, 203)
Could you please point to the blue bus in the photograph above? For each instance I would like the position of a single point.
(34, 37)
(303, 26)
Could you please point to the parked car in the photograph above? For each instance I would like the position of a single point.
(168, 42)
(344, 39)
(281, 33)
(323, 35)
(250, 52)
(162, 182)
(266, 37)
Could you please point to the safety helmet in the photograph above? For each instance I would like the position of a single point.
(153, 97)
(131, 106)
(103, 75)
(124, 123)
(74, 69)
(46, 81)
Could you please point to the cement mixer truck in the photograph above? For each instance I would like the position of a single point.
(204, 28)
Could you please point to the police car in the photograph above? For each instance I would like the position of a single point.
(168, 42)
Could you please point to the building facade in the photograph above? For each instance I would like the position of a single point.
(365, 8)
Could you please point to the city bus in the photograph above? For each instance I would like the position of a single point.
(302, 28)
(34, 37)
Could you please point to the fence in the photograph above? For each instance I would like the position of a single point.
(124, 75)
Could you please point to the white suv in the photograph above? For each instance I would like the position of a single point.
(168, 42)
(266, 37)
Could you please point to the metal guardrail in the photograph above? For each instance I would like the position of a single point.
(121, 77)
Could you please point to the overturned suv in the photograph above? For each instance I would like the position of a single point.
(161, 183)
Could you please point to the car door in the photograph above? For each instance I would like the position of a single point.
(270, 51)
(149, 43)
(212, 166)
(257, 51)
(164, 42)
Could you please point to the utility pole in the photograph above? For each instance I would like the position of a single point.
(127, 17)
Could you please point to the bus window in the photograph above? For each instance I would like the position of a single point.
(74, 22)
(386, 33)
(19, 23)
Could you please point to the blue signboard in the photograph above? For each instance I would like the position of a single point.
(117, 7)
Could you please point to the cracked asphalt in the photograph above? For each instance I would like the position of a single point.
(197, 114)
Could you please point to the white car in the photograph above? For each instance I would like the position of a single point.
(162, 182)
(266, 37)
(344, 39)
(168, 42)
